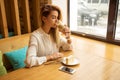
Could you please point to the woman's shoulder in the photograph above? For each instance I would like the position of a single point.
(37, 33)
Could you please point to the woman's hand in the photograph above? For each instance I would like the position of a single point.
(54, 56)
(65, 30)
(67, 34)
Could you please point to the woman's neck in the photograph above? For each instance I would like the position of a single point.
(46, 29)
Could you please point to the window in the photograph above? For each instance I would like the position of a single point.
(89, 1)
(104, 1)
(91, 19)
(117, 34)
(94, 20)
(95, 1)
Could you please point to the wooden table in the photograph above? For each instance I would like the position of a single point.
(98, 61)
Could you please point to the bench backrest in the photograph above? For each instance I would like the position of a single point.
(12, 43)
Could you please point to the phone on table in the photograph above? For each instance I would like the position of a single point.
(67, 69)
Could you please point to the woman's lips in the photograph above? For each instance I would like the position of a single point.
(55, 25)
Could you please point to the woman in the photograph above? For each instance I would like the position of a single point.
(45, 42)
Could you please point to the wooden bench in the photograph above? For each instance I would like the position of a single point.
(10, 44)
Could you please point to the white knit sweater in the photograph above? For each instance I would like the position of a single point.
(40, 45)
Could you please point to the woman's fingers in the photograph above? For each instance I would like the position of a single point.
(56, 55)
(69, 41)
(60, 54)
(67, 32)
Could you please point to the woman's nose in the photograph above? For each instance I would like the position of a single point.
(56, 21)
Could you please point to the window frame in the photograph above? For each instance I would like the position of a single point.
(111, 25)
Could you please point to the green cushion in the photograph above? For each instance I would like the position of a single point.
(17, 57)
(1, 63)
(2, 68)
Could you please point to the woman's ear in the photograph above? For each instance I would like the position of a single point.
(43, 18)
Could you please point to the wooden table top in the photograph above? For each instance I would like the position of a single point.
(98, 61)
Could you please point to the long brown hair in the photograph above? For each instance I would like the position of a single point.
(45, 11)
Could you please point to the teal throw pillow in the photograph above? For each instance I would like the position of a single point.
(17, 57)
(3, 70)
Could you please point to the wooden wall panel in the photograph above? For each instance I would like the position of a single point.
(20, 16)
(8, 15)
(3, 21)
(15, 17)
(26, 15)
(35, 13)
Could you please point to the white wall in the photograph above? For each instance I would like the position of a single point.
(63, 5)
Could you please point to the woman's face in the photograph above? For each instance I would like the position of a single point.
(52, 19)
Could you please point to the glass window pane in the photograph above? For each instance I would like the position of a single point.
(89, 1)
(89, 18)
(95, 1)
(104, 1)
(117, 34)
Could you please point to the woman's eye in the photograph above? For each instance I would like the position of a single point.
(53, 17)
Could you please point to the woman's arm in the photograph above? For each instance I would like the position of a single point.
(31, 58)
(65, 42)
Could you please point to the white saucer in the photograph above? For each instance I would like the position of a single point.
(75, 62)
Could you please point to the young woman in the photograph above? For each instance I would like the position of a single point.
(45, 42)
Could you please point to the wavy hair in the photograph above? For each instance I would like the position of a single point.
(45, 11)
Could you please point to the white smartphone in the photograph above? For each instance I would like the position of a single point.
(67, 69)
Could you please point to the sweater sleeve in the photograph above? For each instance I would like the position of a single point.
(31, 58)
(65, 46)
